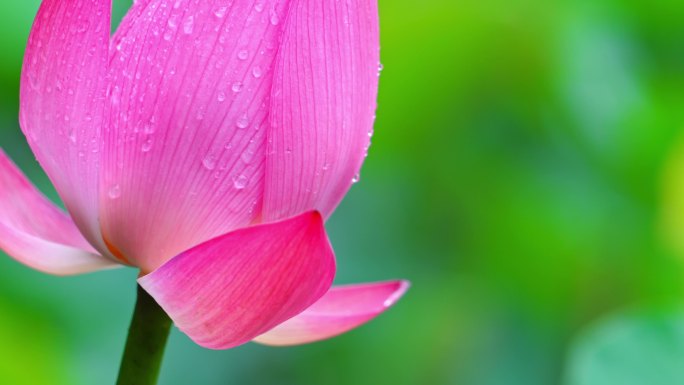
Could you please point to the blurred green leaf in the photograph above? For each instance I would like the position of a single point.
(633, 348)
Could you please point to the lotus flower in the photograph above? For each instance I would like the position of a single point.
(204, 143)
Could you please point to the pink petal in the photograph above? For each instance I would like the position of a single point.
(37, 233)
(235, 287)
(341, 309)
(323, 105)
(185, 150)
(62, 98)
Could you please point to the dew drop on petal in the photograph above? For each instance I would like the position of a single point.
(114, 192)
(209, 162)
(256, 72)
(147, 145)
(221, 12)
(237, 87)
(189, 25)
(274, 17)
(243, 121)
(240, 182)
(172, 22)
(243, 54)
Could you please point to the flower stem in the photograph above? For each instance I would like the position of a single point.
(146, 341)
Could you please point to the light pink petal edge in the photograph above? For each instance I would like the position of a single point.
(322, 105)
(341, 309)
(227, 291)
(37, 233)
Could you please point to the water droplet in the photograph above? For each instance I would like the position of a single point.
(221, 12)
(149, 127)
(356, 178)
(259, 6)
(240, 182)
(173, 22)
(33, 81)
(221, 96)
(243, 121)
(256, 72)
(209, 162)
(243, 54)
(189, 25)
(274, 17)
(380, 68)
(247, 156)
(237, 87)
(147, 145)
(114, 192)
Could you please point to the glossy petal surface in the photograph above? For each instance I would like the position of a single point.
(36, 232)
(63, 87)
(341, 309)
(322, 106)
(189, 103)
(235, 287)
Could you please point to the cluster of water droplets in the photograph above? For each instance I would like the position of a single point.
(177, 25)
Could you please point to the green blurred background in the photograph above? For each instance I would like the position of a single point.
(527, 175)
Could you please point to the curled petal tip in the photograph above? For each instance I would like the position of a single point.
(402, 287)
(341, 309)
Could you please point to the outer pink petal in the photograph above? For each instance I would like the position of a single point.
(323, 105)
(63, 90)
(233, 288)
(37, 233)
(191, 82)
(341, 309)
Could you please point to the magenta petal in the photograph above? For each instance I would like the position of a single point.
(37, 233)
(235, 287)
(323, 105)
(341, 309)
(190, 87)
(63, 91)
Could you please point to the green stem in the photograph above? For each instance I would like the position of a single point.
(146, 341)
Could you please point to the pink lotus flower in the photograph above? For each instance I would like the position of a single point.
(199, 144)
